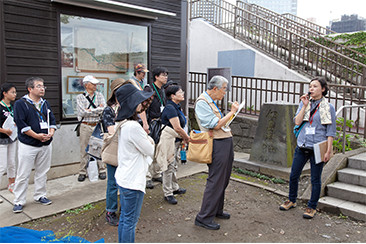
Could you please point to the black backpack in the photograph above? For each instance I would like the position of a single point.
(156, 127)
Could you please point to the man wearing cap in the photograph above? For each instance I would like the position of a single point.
(90, 106)
(139, 74)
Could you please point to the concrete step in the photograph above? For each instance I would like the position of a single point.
(334, 205)
(347, 192)
(352, 176)
(357, 161)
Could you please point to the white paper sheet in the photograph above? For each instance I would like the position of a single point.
(10, 124)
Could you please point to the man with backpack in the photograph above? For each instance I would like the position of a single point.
(160, 78)
(90, 106)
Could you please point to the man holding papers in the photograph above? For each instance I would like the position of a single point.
(318, 119)
(36, 126)
(209, 117)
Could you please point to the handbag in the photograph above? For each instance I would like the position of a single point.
(110, 147)
(95, 143)
(200, 147)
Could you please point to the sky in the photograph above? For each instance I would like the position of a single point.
(326, 10)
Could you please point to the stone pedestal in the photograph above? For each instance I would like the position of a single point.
(274, 141)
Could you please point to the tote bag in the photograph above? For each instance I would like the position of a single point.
(110, 147)
(200, 147)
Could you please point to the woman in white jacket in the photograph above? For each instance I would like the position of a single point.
(135, 152)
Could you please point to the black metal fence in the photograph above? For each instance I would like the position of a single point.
(256, 91)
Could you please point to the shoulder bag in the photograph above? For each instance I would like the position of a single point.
(110, 147)
(200, 147)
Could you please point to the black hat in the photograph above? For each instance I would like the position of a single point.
(129, 97)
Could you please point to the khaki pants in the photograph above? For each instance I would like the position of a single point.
(170, 182)
(85, 132)
(154, 170)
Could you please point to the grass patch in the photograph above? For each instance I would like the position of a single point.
(79, 210)
(259, 176)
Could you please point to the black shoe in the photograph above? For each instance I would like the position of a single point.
(223, 215)
(111, 218)
(171, 200)
(179, 191)
(81, 177)
(160, 179)
(102, 176)
(149, 184)
(210, 226)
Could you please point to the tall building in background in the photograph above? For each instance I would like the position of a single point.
(278, 6)
(349, 23)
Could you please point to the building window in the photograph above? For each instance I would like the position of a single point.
(104, 49)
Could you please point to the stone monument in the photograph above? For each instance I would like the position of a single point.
(274, 141)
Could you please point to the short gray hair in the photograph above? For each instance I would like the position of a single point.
(29, 83)
(217, 81)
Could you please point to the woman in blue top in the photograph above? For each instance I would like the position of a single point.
(7, 145)
(320, 125)
(108, 122)
(170, 140)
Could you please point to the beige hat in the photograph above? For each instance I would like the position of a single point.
(115, 85)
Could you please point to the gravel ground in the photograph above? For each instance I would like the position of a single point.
(255, 217)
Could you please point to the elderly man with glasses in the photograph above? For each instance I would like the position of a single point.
(90, 106)
(209, 117)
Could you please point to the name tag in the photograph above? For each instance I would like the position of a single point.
(43, 125)
(310, 131)
(161, 108)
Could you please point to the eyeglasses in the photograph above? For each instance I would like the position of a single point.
(165, 75)
(40, 87)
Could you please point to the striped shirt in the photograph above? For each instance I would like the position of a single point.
(94, 114)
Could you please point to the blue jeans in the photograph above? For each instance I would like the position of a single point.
(131, 203)
(301, 156)
(112, 190)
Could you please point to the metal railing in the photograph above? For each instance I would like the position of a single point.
(305, 29)
(256, 91)
(280, 19)
(295, 51)
(309, 24)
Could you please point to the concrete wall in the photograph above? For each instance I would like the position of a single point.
(210, 47)
(65, 155)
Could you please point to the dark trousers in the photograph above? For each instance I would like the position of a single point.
(219, 172)
(301, 156)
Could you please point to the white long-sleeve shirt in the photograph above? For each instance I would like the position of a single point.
(135, 153)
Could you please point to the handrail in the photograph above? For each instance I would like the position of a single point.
(304, 29)
(285, 45)
(345, 120)
(297, 18)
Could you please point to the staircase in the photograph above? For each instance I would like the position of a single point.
(283, 39)
(348, 195)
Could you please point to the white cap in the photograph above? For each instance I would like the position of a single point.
(90, 78)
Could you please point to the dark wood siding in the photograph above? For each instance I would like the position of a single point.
(30, 45)
(30, 42)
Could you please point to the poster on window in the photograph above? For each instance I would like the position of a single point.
(102, 51)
